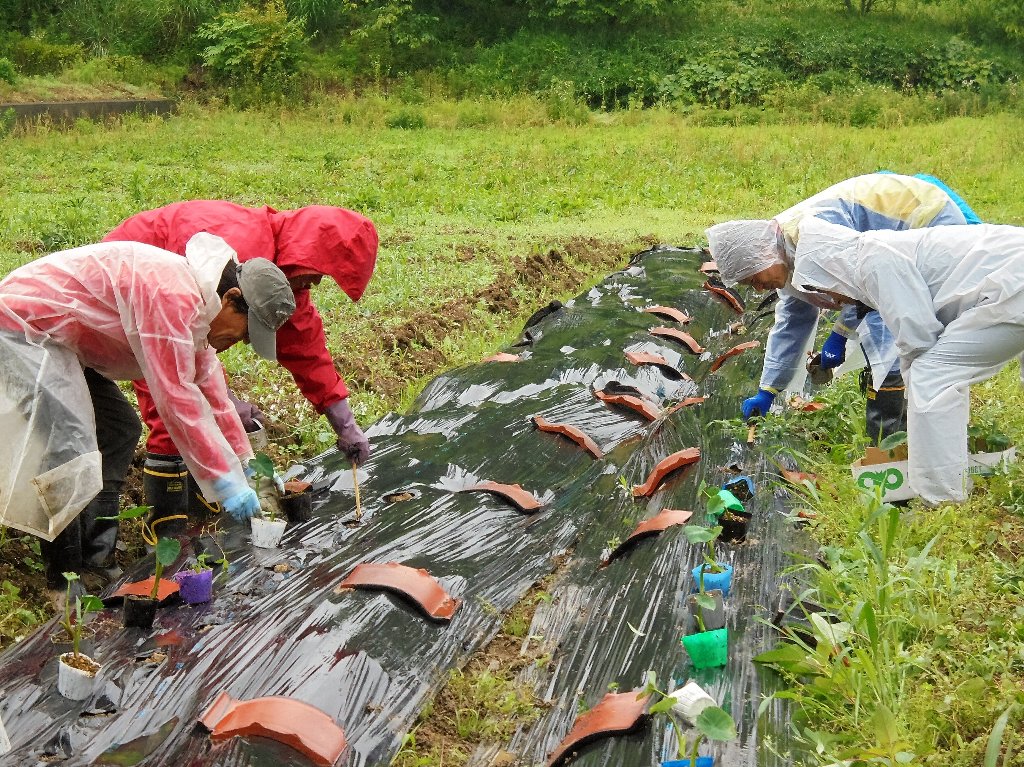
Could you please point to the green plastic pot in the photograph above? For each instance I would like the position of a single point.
(708, 649)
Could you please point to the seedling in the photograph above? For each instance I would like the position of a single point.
(262, 466)
(200, 565)
(83, 605)
(165, 550)
(712, 724)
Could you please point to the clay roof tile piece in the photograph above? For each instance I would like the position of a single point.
(305, 728)
(644, 408)
(649, 358)
(577, 435)
(662, 521)
(726, 296)
(677, 315)
(523, 499)
(416, 584)
(679, 337)
(615, 714)
(734, 351)
(665, 467)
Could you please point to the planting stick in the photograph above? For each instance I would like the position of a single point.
(750, 433)
(355, 484)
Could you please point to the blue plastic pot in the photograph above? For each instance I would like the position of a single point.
(702, 761)
(722, 580)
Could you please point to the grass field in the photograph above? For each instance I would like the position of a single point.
(486, 209)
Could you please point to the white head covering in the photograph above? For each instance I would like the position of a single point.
(827, 258)
(743, 248)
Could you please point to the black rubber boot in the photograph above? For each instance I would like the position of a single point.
(886, 411)
(63, 554)
(99, 536)
(165, 485)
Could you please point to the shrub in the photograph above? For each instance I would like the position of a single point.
(408, 118)
(254, 46)
(33, 56)
(7, 71)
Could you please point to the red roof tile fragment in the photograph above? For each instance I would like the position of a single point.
(643, 407)
(734, 351)
(665, 519)
(525, 500)
(677, 315)
(616, 714)
(296, 486)
(416, 584)
(798, 477)
(575, 434)
(679, 336)
(688, 402)
(145, 588)
(305, 728)
(502, 357)
(649, 358)
(665, 467)
(726, 296)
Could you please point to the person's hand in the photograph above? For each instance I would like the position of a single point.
(239, 500)
(833, 351)
(351, 440)
(251, 416)
(759, 404)
(243, 505)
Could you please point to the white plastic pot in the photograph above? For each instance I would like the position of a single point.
(73, 683)
(691, 699)
(267, 534)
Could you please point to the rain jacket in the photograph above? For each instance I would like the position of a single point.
(863, 203)
(954, 300)
(128, 311)
(331, 241)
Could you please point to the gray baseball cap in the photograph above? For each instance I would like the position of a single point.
(271, 302)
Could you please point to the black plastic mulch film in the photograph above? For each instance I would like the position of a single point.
(369, 659)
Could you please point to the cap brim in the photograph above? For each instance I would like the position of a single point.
(262, 339)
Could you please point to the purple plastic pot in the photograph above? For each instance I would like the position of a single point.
(195, 588)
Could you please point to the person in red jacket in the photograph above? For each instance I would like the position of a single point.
(305, 244)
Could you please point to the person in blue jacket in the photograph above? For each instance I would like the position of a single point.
(760, 253)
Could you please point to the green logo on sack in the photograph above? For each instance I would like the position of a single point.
(890, 479)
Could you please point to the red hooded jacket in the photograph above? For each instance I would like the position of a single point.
(327, 240)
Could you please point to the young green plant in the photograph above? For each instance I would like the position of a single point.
(712, 724)
(165, 550)
(83, 605)
(262, 466)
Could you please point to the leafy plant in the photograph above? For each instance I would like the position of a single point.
(73, 617)
(262, 466)
(165, 550)
(712, 724)
(254, 45)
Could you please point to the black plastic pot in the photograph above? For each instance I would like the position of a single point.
(713, 619)
(139, 612)
(734, 526)
(297, 506)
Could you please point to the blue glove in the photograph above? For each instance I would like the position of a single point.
(833, 351)
(238, 500)
(759, 404)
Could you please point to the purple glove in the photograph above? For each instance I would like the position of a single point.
(351, 440)
(249, 413)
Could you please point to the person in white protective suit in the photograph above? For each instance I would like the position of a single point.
(760, 253)
(74, 322)
(954, 300)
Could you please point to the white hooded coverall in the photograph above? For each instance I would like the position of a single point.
(954, 299)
